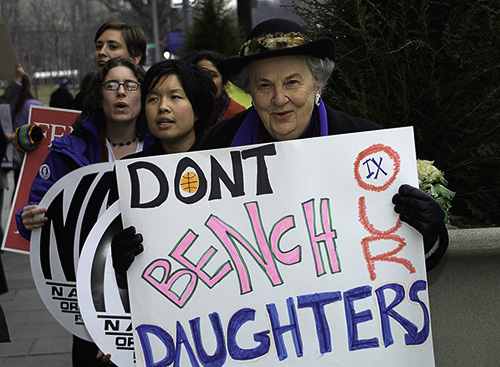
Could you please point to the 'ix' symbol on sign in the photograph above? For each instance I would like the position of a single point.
(377, 165)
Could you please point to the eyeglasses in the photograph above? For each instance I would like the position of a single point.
(128, 85)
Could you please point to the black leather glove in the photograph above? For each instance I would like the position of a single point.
(421, 212)
(125, 246)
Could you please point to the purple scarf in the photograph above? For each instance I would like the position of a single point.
(248, 133)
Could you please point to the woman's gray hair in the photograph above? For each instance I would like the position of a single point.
(321, 70)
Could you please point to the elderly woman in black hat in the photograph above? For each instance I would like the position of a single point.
(285, 73)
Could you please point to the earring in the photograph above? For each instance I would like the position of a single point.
(317, 99)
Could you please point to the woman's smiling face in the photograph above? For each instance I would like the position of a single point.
(283, 92)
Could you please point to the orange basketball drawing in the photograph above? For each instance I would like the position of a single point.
(189, 182)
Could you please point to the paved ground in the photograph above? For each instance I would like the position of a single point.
(37, 338)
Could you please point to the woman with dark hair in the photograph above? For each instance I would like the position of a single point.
(21, 110)
(106, 130)
(115, 39)
(119, 39)
(176, 101)
(114, 107)
(224, 107)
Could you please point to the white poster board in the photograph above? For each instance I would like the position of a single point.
(278, 254)
(74, 204)
(104, 306)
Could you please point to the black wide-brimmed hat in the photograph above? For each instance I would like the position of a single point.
(277, 37)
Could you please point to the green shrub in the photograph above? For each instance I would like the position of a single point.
(433, 65)
(214, 28)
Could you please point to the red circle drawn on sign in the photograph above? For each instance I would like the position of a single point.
(371, 150)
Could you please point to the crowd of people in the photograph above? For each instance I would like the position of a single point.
(182, 105)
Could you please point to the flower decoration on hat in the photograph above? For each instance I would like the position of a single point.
(270, 42)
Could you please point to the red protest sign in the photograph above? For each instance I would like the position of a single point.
(55, 123)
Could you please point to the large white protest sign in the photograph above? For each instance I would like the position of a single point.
(74, 203)
(287, 253)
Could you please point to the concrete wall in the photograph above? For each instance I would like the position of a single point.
(464, 291)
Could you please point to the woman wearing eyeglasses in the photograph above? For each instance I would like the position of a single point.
(106, 130)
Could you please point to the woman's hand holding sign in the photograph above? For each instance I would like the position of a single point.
(125, 246)
(30, 219)
(421, 212)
